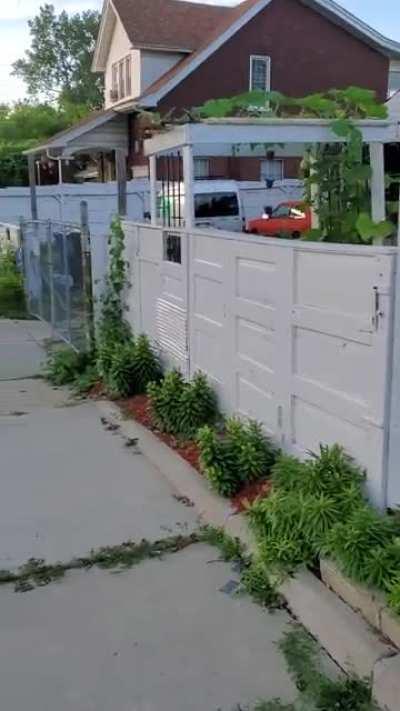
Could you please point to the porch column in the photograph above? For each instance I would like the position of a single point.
(377, 159)
(120, 164)
(188, 177)
(32, 185)
(153, 189)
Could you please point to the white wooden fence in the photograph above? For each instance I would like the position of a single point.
(297, 335)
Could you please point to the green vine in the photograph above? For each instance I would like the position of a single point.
(113, 331)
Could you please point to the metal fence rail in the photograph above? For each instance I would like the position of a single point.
(56, 262)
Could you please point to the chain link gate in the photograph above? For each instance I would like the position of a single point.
(57, 270)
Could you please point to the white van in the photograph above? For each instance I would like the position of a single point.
(225, 204)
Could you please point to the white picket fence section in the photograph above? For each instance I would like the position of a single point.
(296, 335)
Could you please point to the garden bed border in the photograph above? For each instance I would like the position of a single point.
(352, 623)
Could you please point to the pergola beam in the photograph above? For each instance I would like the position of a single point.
(248, 134)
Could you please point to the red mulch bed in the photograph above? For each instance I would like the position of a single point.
(138, 407)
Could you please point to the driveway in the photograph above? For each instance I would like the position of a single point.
(167, 635)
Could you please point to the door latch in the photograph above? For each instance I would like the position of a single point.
(376, 308)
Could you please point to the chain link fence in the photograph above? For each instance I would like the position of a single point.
(56, 264)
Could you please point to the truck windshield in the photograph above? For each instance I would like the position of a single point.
(216, 205)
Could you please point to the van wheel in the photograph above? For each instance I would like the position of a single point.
(296, 235)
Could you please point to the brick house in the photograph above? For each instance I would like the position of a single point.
(162, 55)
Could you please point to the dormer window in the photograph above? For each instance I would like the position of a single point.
(121, 79)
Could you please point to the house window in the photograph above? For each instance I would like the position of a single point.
(128, 71)
(260, 73)
(201, 168)
(121, 79)
(271, 170)
(121, 88)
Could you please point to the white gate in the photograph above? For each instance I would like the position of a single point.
(295, 335)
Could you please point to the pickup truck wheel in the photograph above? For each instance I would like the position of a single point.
(296, 235)
(254, 232)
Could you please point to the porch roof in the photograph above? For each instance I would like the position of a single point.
(217, 136)
(101, 131)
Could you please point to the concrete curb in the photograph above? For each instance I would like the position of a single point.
(343, 633)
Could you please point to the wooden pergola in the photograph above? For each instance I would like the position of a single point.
(246, 137)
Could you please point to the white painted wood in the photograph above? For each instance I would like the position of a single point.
(153, 189)
(393, 467)
(248, 132)
(188, 178)
(155, 63)
(377, 158)
(287, 333)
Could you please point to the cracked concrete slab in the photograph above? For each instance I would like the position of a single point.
(160, 637)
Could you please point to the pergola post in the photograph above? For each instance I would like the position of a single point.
(120, 164)
(377, 158)
(153, 188)
(188, 177)
(32, 185)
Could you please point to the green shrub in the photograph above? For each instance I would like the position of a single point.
(65, 366)
(255, 581)
(331, 472)
(197, 407)
(231, 549)
(87, 380)
(217, 462)
(12, 295)
(241, 454)
(181, 408)
(393, 597)
(351, 542)
(146, 365)
(128, 366)
(165, 398)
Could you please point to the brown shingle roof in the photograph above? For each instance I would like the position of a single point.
(171, 24)
(234, 14)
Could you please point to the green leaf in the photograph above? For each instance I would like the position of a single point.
(313, 235)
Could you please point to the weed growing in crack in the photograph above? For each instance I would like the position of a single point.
(231, 549)
(35, 572)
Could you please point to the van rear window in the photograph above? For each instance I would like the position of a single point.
(216, 205)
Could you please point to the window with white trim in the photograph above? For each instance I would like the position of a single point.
(201, 168)
(121, 79)
(260, 73)
(271, 169)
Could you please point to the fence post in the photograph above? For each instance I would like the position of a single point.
(32, 186)
(51, 274)
(87, 276)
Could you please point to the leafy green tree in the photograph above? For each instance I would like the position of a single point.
(57, 67)
(24, 125)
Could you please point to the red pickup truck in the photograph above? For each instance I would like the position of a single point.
(289, 219)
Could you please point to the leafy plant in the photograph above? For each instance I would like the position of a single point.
(181, 407)
(165, 398)
(146, 365)
(12, 296)
(120, 376)
(65, 366)
(393, 597)
(197, 407)
(351, 542)
(217, 462)
(241, 454)
(230, 548)
(113, 331)
(255, 581)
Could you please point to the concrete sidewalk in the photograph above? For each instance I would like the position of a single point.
(21, 348)
(168, 635)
